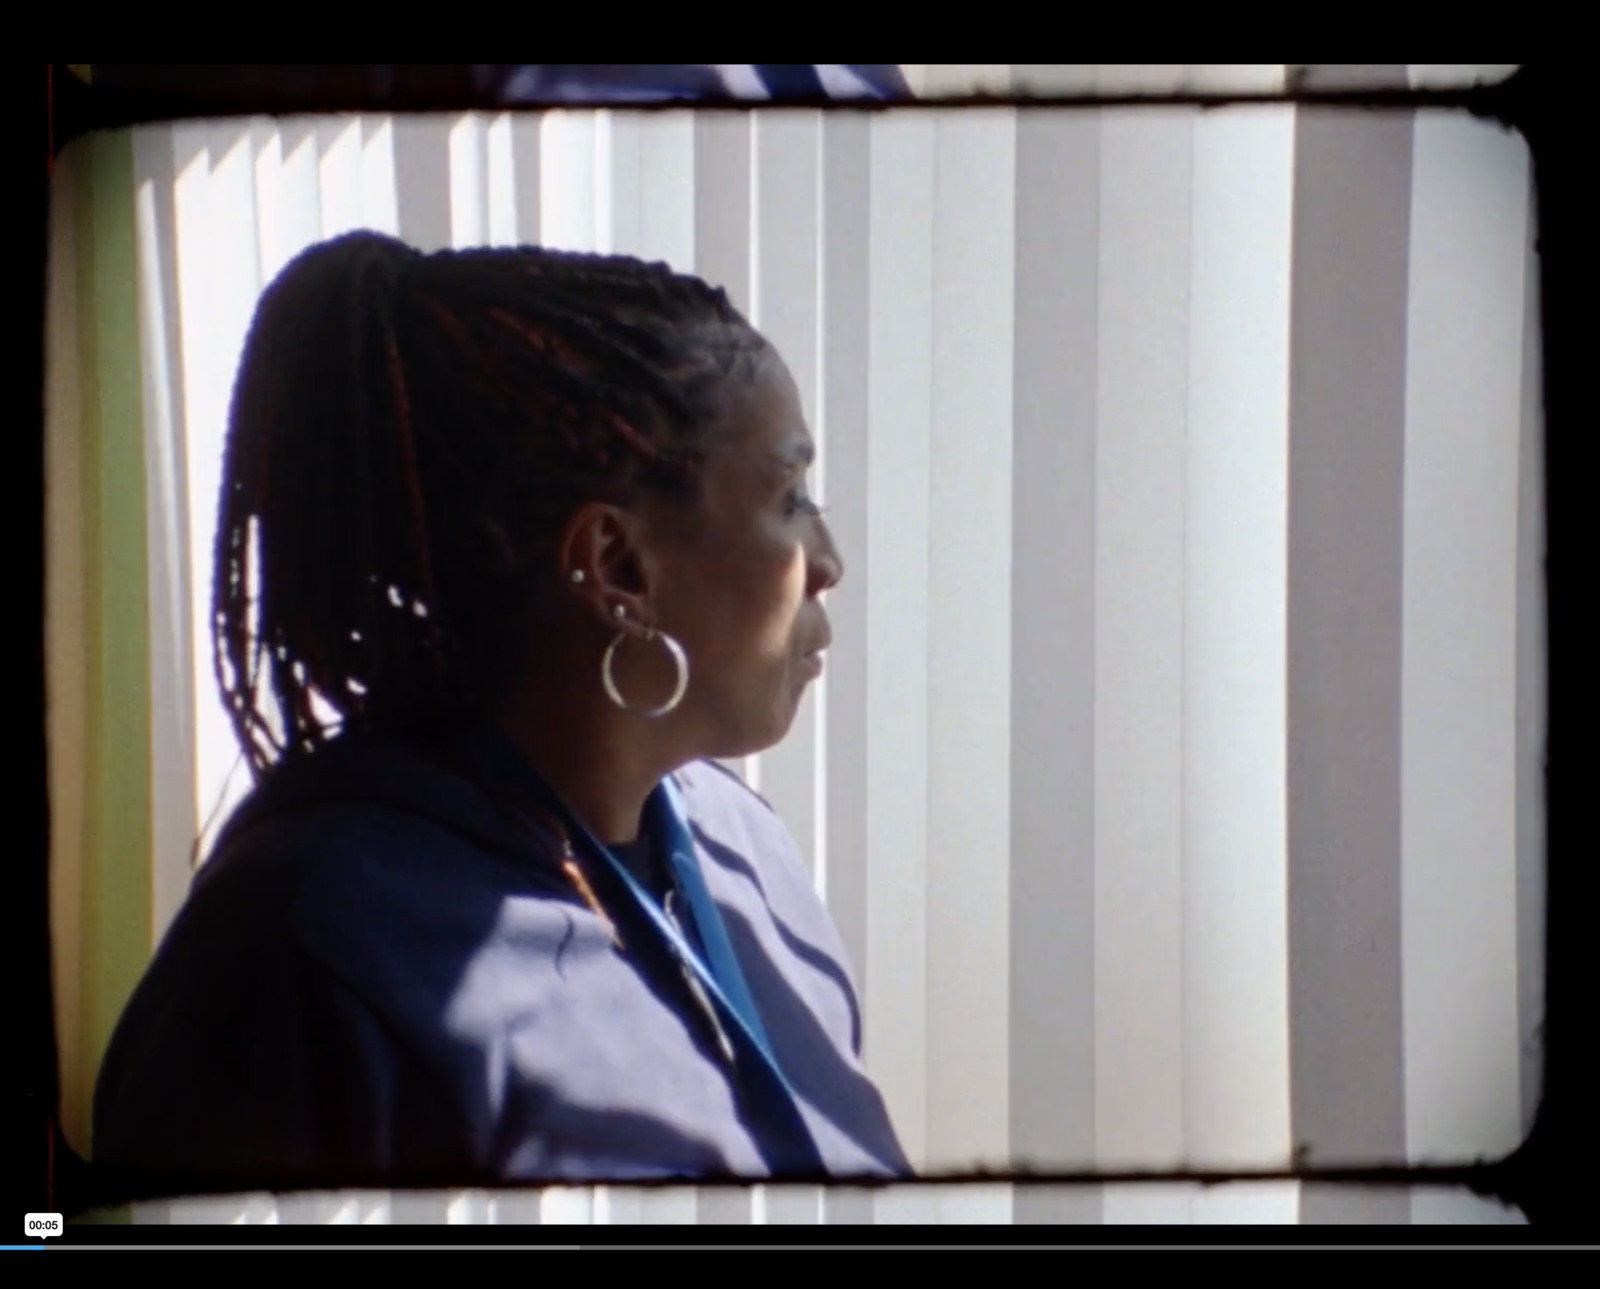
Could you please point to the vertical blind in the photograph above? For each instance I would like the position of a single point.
(1174, 782)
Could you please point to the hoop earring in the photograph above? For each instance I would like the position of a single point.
(680, 661)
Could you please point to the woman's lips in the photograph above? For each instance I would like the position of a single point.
(811, 660)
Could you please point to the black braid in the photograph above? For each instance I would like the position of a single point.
(407, 435)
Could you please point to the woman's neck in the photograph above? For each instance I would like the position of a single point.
(598, 761)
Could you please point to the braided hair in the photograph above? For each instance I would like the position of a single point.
(408, 433)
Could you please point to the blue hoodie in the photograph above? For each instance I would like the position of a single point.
(384, 976)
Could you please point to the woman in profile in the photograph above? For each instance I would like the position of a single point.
(513, 545)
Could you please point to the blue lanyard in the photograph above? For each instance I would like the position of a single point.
(723, 962)
(721, 976)
(721, 979)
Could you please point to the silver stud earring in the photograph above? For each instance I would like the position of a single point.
(617, 611)
(577, 575)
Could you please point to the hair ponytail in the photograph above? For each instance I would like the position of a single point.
(316, 534)
(407, 434)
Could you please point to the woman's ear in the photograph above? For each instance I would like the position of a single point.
(602, 561)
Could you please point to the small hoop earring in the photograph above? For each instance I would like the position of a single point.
(680, 661)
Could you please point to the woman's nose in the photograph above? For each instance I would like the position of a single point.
(827, 565)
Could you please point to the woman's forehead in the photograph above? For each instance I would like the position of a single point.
(767, 418)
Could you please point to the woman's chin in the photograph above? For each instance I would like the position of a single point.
(755, 738)
(759, 727)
